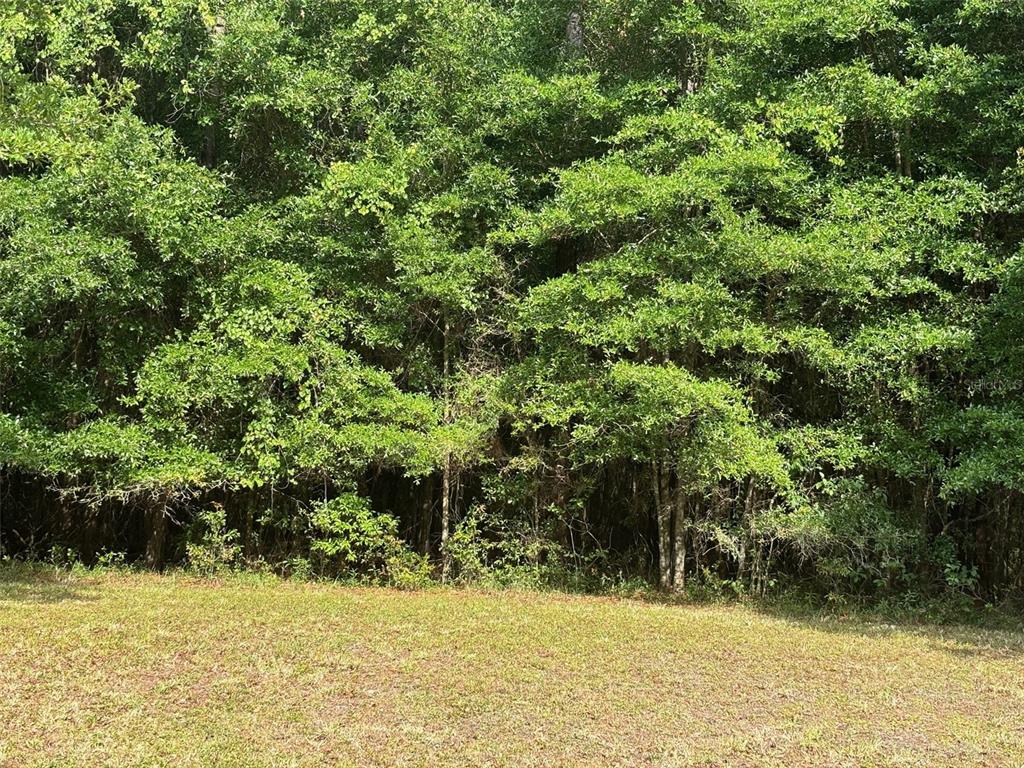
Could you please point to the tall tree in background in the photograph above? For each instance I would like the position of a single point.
(710, 290)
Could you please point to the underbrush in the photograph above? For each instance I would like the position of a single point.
(349, 544)
(794, 603)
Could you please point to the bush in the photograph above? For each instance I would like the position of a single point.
(111, 560)
(212, 546)
(467, 548)
(349, 539)
(488, 549)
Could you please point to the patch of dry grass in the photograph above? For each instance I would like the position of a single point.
(144, 670)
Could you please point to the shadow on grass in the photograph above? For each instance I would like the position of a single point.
(40, 584)
(968, 633)
(963, 631)
(972, 637)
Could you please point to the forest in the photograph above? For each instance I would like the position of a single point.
(719, 294)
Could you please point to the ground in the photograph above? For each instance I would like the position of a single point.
(147, 670)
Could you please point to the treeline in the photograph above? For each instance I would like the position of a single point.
(722, 292)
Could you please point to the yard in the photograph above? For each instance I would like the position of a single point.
(149, 670)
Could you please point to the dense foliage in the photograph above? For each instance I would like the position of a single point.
(726, 291)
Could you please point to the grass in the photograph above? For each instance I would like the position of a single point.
(147, 670)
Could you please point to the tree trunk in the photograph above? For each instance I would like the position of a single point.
(446, 495)
(156, 535)
(426, 516)
(663, 512)
(901, 141)
(250, 544)
(446, 473)
(210, 131)
(680, 529)
(747, 539)
(574, 31)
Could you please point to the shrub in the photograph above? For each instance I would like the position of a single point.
(349, 539)
(212, 546)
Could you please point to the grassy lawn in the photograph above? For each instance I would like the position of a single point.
(140, 670)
